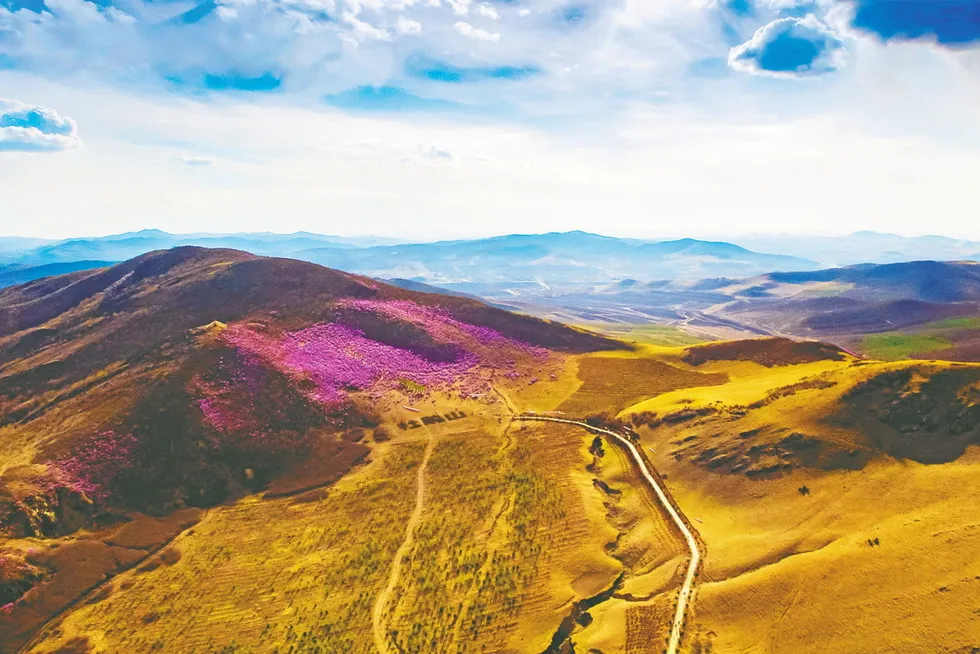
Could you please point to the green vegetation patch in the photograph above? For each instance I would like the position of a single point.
(894, 346)
(663, 335)
(956, 323)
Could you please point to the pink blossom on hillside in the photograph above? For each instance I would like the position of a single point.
(440, 324)
(340, 360)
(94, 466)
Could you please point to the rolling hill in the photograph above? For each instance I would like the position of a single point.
(209, 451)
(924, 308)
(141, 393)
(864, 247)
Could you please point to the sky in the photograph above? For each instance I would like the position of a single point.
(427, 119)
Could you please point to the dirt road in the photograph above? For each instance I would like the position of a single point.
(381, 602)
(687, 588)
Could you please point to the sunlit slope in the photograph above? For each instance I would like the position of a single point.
(836, 498)
(514, 529)
(518, 524)
(191, 378)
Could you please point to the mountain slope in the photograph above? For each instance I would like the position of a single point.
(13, 275)
(183, 378)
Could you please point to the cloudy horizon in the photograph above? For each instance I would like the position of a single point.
(429, 119)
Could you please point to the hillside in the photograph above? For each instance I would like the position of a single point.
(833, 495)
(13, 275)
(204, 450)
(185, 378)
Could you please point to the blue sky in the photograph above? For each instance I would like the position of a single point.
(454, 118)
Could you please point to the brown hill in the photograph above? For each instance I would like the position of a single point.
(186, 377)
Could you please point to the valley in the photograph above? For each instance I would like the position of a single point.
(381, 470)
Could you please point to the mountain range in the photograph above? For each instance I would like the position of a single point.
(864, 247)
(538, 260)
(516, 264)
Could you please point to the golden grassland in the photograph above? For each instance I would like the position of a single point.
(291, 574)
(520, 523)
(792, 572)
(513, 531)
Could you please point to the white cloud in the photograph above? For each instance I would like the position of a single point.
(661, 170)
(32, 128)
(476, 33)
(408, 26)
(488, 12)
(460, 7)
(790, 47)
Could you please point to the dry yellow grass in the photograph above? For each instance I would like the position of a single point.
(793, 572)
(514, 530)
(291, 574)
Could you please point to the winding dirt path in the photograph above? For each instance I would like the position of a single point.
(381, 602)
(687, 588)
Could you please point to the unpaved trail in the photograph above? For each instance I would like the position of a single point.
(687, 588)
(381, 602)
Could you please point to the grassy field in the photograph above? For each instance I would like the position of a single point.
(292, 574)
(647, 334)
(816, 537)
(612, 382)
(956, 339)
(897, 345)
(783, 469)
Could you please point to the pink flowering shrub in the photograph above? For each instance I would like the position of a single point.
(340, 360)
(93, 467)
(411, 347)
(254, 411)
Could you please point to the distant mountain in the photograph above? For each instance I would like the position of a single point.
(120, 247)
(928, 281)
(11, 245)
(9, 276)
(554, 259)
(857, 299)
(864, 247)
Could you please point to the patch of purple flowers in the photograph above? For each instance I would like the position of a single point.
(340, 360)
(94, 466)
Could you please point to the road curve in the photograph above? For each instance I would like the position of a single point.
(687, 588)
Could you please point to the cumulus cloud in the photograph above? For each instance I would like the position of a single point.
(31, 128)
(790, 47)
(408, 26)
(488, 12)
(476, 33)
